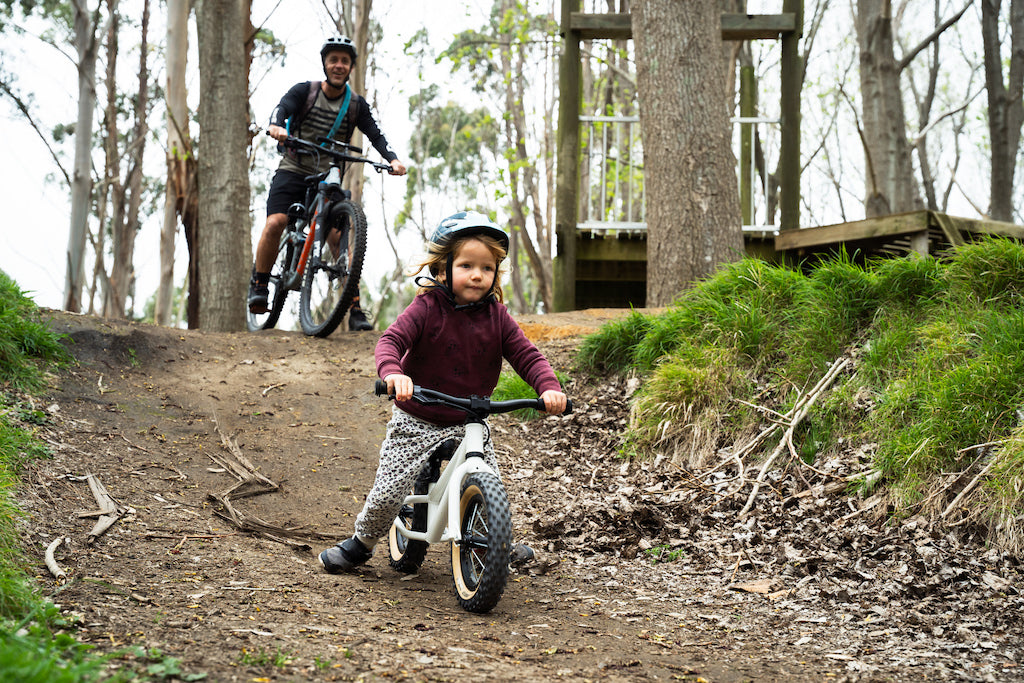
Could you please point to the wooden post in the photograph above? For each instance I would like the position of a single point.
(567, 177)
(748, 109)
(789, 157)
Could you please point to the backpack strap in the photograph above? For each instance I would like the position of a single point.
(297, 118)
(341, 112)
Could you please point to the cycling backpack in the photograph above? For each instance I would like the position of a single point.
(296, 119)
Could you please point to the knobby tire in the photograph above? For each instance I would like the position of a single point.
(331, 281)
(278, 292)
(404, 554)
(480, 561)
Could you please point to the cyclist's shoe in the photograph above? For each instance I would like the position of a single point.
(357, 321)
(259, 298)
(344, 557)
(521, 554)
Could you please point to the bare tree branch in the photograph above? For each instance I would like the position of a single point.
(939, 30)
(23, 108)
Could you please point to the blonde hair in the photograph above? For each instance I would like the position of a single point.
(437, 260)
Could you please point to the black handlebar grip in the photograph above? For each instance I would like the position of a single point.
(380, 388)
(568, 407)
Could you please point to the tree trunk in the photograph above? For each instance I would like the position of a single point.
(181, 166)
(359, 20)
(223, 241)
(124, 242)
(110, 197)
(1005, 102)
(890, 185)
(87, 48)
(693, 216)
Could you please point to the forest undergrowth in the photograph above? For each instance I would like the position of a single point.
(917, 362)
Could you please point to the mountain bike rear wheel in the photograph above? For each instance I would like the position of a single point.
(277, 287)
(480, 559)
(331, 280)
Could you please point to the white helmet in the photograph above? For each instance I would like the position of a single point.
(466, 223)
(343, 43)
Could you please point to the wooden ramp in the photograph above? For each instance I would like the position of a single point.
(923, 232)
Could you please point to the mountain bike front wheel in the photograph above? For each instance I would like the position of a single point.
(331, 280)
(480, 559)
(277, 286)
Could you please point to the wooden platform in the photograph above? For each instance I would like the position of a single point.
(923, 232)
(611, 267)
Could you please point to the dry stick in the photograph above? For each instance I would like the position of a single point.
(250, 483)
(960, 475)
(51, 563)
(799, 413)
(108, 512)
(271, 387)
(967, 489)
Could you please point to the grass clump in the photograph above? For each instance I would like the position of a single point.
(938, 371)
(27, 346)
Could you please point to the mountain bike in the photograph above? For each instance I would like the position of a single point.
(322, 247)
(463, 503)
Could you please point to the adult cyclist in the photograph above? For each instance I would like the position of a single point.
(309, 110)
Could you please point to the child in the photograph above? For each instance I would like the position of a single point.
(452, 338)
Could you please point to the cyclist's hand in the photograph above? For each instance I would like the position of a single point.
(277, 132)
(397, 167)
(554, 402)
(399, 386)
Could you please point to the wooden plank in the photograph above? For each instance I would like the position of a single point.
(948, 227)
(615, 26)
(618, 26)
(980, 226)
(757, 26)
(611, 249)
(884, 226)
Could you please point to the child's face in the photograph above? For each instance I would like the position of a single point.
(473, 272)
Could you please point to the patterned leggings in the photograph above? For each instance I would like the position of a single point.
(407, 447)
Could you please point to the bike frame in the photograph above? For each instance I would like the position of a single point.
(333, 180)
(442, 499)
(331, 184)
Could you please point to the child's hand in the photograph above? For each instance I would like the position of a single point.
(554, 402)
(400, 386)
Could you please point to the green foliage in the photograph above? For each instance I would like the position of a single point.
(36, 650)
(664, 553)
(17, 448)
(27, 346)
(264, 657)
(511, 386)
(938, 346)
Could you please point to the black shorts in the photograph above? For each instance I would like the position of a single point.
(286, 188)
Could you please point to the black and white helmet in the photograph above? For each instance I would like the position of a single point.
(339, 43)
(465, 223)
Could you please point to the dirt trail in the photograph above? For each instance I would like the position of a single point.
(155, 413)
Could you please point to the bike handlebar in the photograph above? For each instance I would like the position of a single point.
(308, 147)
(474, 405)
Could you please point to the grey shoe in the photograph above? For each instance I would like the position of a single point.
(344, 557)
(259, 298)
(357, 321)
(521, 554)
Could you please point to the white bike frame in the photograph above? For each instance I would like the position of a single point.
(443, 497)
